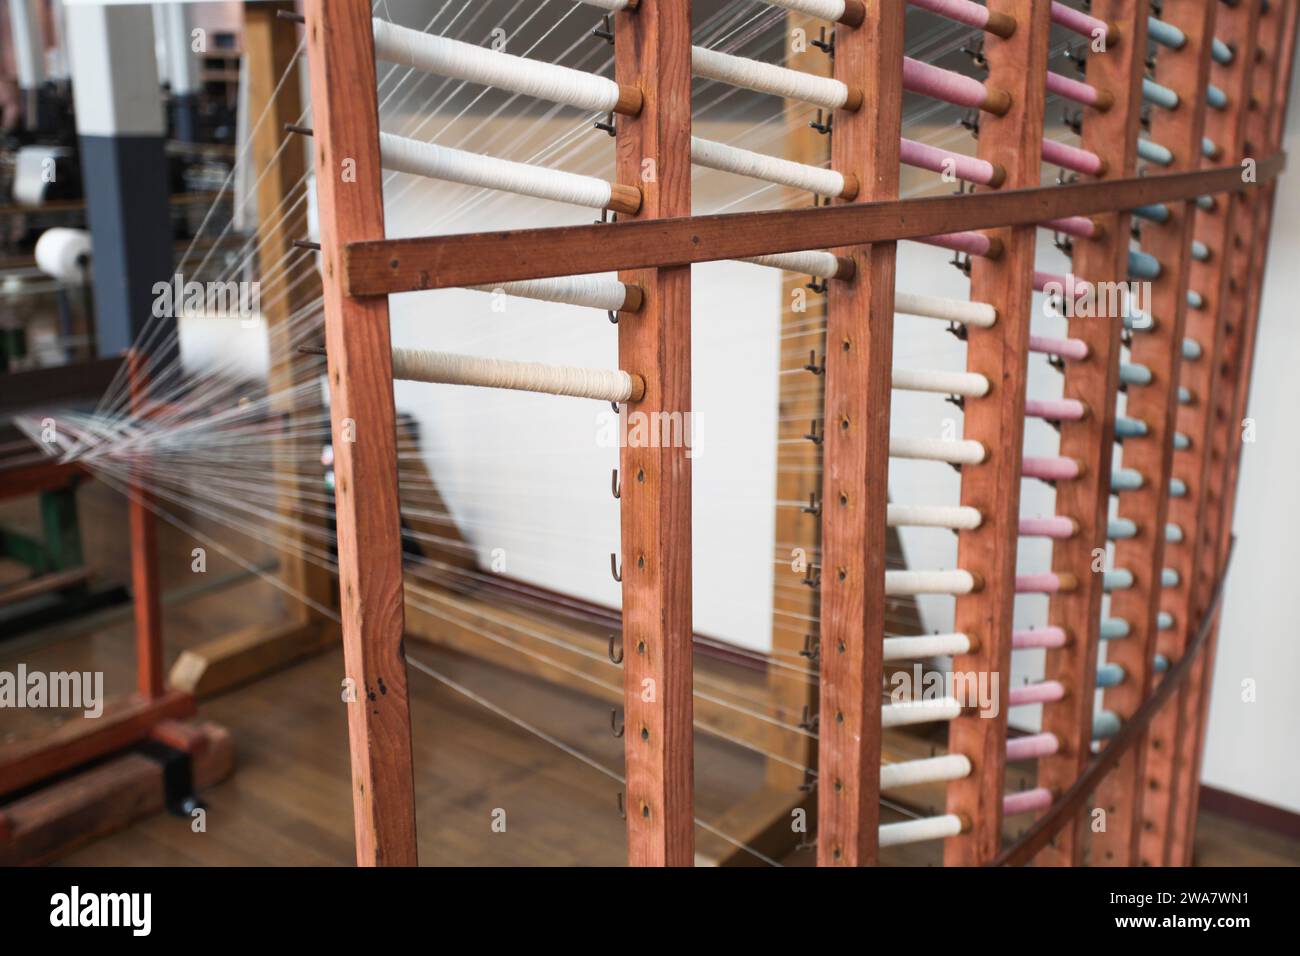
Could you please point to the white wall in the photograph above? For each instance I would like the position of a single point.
(1251, 748)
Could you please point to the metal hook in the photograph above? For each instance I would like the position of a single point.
(812, 436)
(614, 569)
(818, 286)
(608, 125)
(621, 811)
(613, 659)
(812, 649)
(605, 31)
(809, 721)
(806, 845)
(814, 579)
(821, 125)
(614, 727)
(822, 44)
(614, 484)
(812, 365)
(814, 506)
(809, 783)
(613, 317)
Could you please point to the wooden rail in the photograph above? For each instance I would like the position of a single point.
(387, 266)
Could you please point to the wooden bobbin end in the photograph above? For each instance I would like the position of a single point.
(1098, 229)
(996, 248)
(851, 188)
(1105, 100)
(1103, 167)
(630, 101)
(853, 101)
(999, 176)
(638, 387)
(624, 199)
(1112, 33)
(1068, 581)
(1087, 413)
(633, 298)
(1082, 468)
(996, 101)
(1001, 25)
(846, 268)
(855, 11)
(977, 582)
(966, 825)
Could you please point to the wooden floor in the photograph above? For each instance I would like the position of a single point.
(288, 801)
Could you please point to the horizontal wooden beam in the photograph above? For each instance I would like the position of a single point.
(386, 266)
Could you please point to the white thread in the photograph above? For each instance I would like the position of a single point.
(607, 4)
(476, 64)
(418, 365)
(744, 162)
(593, 291)
(823, 9)
(919, 712)
(403, 155)
(955, 517)
(934, 380)
(979, 314)
(925, 645)
(768, 78)
(963, 452)
(928, 770)
(912, 583)
(920, 831)
(823, 265)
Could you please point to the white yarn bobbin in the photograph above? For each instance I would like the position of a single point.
(913, 583)
(925, 645)
(475, 64)
(445, 368)
(822, 265)
(403, 155)
(783, 172)
(979, 314)
(929, 770)
(920, 831)
(953, 517)
(912, 712)
(962, 452)
(777, 80)
(969, 384)
(595, 292)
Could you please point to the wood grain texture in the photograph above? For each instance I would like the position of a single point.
(289, 275)
(1216, 228)
(1112, 135)
(125, 721)
(1000, 353)
(350, 198)
(652, 52)
(439, 262)
(145, 591)
(796, 607)
(855, 495)
(1186, 71)
(1270, 91)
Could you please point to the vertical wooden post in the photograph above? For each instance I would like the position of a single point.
(1269, 100)
(1214, 228)
(350, 196)
(145, 589)
(1112, 135)
(1018, 65)
(271, 45)
(652, 45)
(1185, 71)
(796, 608)
(855, 496)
